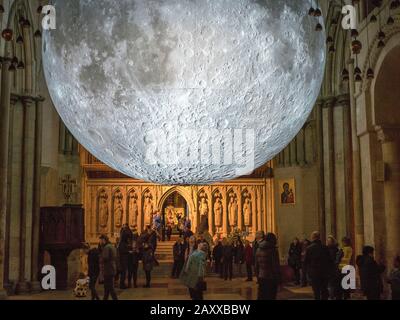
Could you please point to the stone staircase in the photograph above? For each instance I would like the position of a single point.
(164, 251)
(164, 256)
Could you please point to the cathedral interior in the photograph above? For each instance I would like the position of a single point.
(340, 175)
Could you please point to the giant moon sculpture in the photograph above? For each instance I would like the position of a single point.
(184, 91)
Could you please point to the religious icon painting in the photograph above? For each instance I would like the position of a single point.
(287, 191)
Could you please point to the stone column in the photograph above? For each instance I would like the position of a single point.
(320, 165)
(356, 158)
(35, 285)
(26, 186)
(4, 141)
(329, 167)
(390, 139)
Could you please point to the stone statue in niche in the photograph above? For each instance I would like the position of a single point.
(148, 208)
(103, 209)
(233, 209)
(203, 206)
(247, 209)
(118, 209)
(218, 210)
(133, 208)
(203, 210)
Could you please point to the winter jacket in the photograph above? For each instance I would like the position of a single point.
(93, 262)
(267, 262)
(109, 258)
(370, 274)
(194, 269)
(148, 259)
(318, 261)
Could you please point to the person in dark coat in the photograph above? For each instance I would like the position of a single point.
(168, 231)
(238, 256)
(304, 276)
(187, 233)
(227, 259)
(179, 258)
(143, 239)
(268, 268)
(153, 240)
(248, 258)
(294, 259)
(334, 285)
(133, 260)
(370, 274)
(93, 260)
(394, 279)
(124, 245)
(319, 266)
(109, 260)
(260, 235)
(217, 256)
(148, 263)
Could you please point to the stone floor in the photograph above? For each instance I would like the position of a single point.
(172, 289)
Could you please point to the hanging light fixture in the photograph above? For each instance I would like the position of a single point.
(370, 71)
(38, 33)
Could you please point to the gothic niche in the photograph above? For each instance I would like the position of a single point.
(118, 209)
(232, 209)
(102, 210)
(203, 211)
(247, 208)
(148, 207)
(133, 209)
(218, 209)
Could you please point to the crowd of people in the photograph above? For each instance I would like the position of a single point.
(322, 266)
(110, 263)
(313, 263)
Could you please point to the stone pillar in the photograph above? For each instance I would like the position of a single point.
(35, 285)
(4, 142)
(320, 165)
(329, 167)
(390, 139)
(343, 224)
(26, 193)
(356, 158)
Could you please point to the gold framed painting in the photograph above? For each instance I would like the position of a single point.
(287, 191)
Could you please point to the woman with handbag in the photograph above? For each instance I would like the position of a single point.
(193, 273)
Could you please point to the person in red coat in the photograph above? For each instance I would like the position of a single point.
(248, 257)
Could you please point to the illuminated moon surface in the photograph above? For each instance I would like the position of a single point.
(183, 91)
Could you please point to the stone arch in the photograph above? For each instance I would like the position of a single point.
(184, 193)
(335, 61)
(383, 60)
(385, 105)
(25, 79)
(377, 55)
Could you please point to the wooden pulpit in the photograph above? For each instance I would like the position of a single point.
(61, 231)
